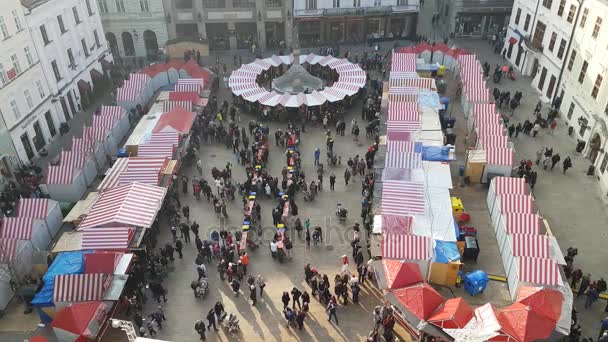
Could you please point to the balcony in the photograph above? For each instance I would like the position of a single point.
(357, 11)
(533, 44)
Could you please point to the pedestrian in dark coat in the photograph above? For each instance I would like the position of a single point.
(211, 319)
(566, 164)
(253, 295)
(585, 282)
(554, 160)
(178, 248)
(285, 299)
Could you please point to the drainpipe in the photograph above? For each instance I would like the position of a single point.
(561, 71)
(523, 63)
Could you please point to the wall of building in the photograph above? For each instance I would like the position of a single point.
(137, 19)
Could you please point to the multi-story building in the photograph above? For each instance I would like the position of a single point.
(352, 21)
(29, 119)
(134, 29)
(440, 19)
(537, 41)
(232, 24)
(68, 38)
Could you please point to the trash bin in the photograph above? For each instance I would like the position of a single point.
(471, 249)
(475, 282)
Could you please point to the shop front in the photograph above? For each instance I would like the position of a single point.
(476, 24)
(309, 32)
(246, 35)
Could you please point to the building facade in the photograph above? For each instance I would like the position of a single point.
(322, 22)
(69, 40)
(232, 24)
(134, 29)
(537, 41)
(29, 118)
(584, 93)
(440, 19)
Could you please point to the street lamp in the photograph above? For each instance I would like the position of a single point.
(127, 327)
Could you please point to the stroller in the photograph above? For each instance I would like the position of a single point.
(232, 323)
(200, 288)
(341, 213)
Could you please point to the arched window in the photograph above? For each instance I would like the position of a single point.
(111, 38)
(127, 43)
(151, 44)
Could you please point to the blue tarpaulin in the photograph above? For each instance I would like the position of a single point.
(64, 263)
(446, 251)
(429, 99)
(436, 153)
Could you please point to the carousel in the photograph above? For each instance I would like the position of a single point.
(296, 82)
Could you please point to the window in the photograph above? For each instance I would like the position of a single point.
(185, 4)
(571, 14)
(572, 59)
(596, 86)
(84, 47)
(543, 76)
(28, 55)
(16, 65)
(40, 88)
(527, 22)
(551, 86)
(518, 16)
(570, 111)
(3, 77)
(560, 9)
(15, 109)
(17, 20)
(143, 4)
(547, 3)
(356, 3)
(71, 57)
(50, 123)
(584, 17)
(539, 34)
(596, 28)
(28, 98)
(45, 36)
(61, 24)
(76, 17)
(56, 71)
(581, 75)
(120, 6)
(103, 6)
(552, 41)
(336, 3)
(89, 9)
(311, 4)
(96, 38)
(3, 28)
(562, 48)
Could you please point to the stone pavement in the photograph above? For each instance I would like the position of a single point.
(571, 203)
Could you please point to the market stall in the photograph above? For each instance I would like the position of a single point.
(68, 181)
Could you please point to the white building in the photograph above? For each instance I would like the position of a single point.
(134, 29)
(68, 37)
(537, 40)
(348, 21)
(29, 118)
(585, 95)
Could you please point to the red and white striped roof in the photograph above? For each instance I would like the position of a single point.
(241, 73)
(80, 287)
(188, 88)
(486, 119)
(111, 178)
(254, 94)
(402, 97)
(483, 108)
(19, 228)
(480, 94)
(402, 198)
(404, 90)
(357, 81)
(530, 245)
(114, 111)
(252, 67)
(8, 248)
(332, 95)
(400, 146)
(74, 159)
(397, 224)
(353, 74)
(402, 74)
(128, 92)
(509, 185)
(143, 170)
(402, 126)
(154, 149)
(403, 111)
(491, 129)
(171, 105)
(234, 81)
(422, 83)
(492, 141)
(95, 134)
(140, 79)
(539, 271)
(520, 223)
(349, 88)
(82, 145)
(272, 99)
(106, 238)
(403, 62)
(403, 160)
(326, 60)
(510, 203)
(197, 81)
(398, 136)
(106, 121)
(338, 62)
(33, 207)
(64, 173)
(500, 156)
(262, 64)
(347, 67)
(408, 247)
(239, 89)
(135, 205)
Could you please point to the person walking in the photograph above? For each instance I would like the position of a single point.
(539, 155)
(554, 160)
(566, 164)
(317, 155)
(235, 285)
(178, 248)
(592, 296)
(295, 295)
(331, 311)
(518, 129)
(261, 284)
(285, 299)
(199, 327)
(253, 295)
(511, 130)
(186, 212)
(211, 319)
(346, 176)
(585, 282)
(535, 130)
(300, 316)
(332, 181)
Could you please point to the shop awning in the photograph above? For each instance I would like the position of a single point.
(512, 40)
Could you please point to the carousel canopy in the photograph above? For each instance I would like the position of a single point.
(297, 80)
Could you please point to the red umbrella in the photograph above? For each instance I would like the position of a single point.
(455, 313)
(398, 274)
(546, 302)
(524, 323)
(420, 300)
